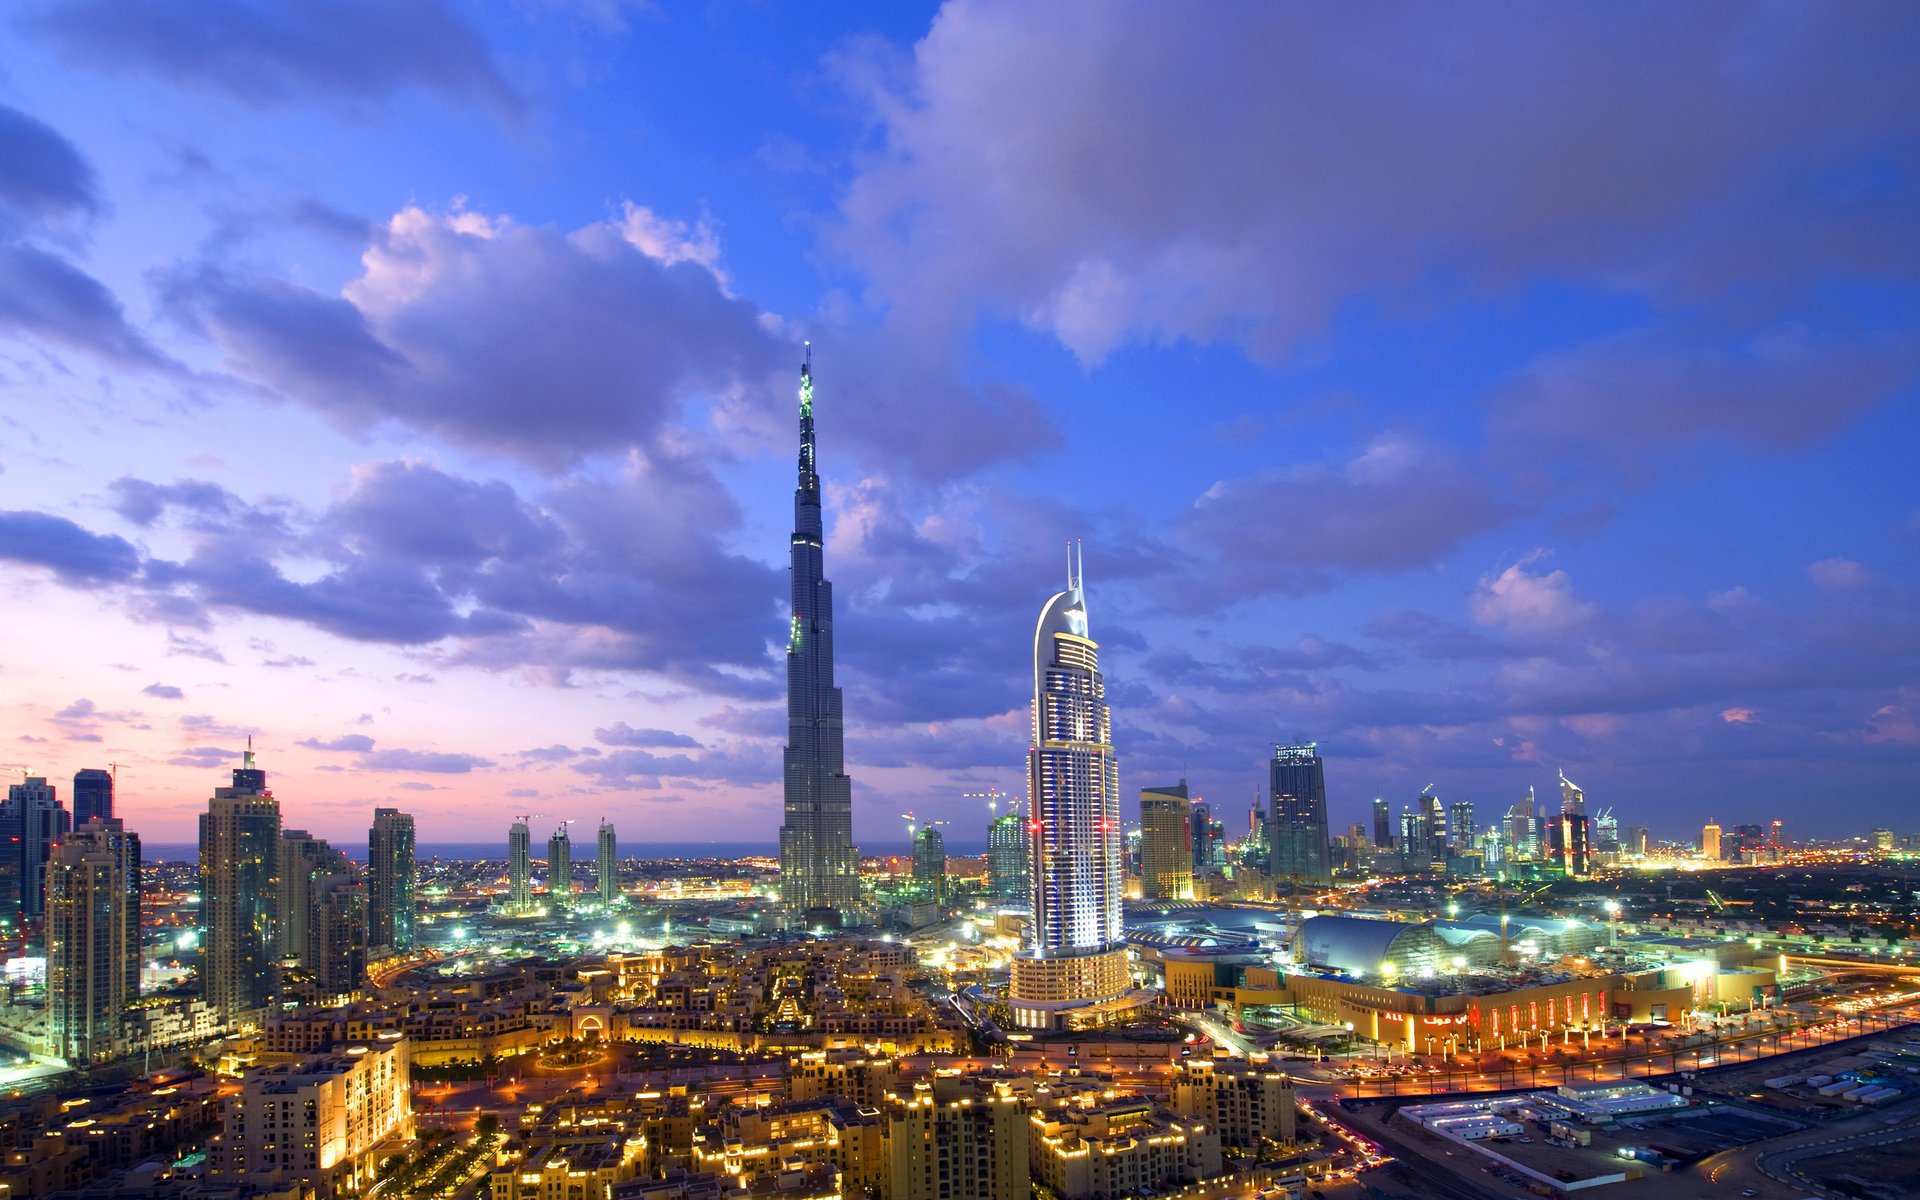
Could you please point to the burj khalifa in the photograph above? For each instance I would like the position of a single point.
(819, 866)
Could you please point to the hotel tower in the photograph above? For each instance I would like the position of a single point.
(819, 867)
(1074, 973)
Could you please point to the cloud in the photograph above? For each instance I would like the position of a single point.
(1398, 503)
(458, 318)
(431, 762)
(1738, 715)
(75, 555)
(1529, 603)
(164, 691)
(553, 753)
(204, 757)
(1257, 176)
(45, 175)
(80, 710)
(44, 296)
(264, 54)
(623, 734)
(1775, 389)
(357, 743)
(1839, 575)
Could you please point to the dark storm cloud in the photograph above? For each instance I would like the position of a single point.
(1260, 172)
(75, 555)
(513, 340)
(348, 53)
(45, 176)
(44, 296)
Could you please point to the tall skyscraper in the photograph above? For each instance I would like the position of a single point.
(1382, 824)
(1166, 843)
(1298, 841)
(606, 878)
(1520, 843)
(240, 894)
(1460, 827)
(336, 954)
(519, 866)
(819, 867)
(930, 864)
(93, 941)
(32, 821)
(92, 795)
(560, 867)
(324, 914)
(390, 880)
(1570, 843)
(1710, 841)
(1007, 859)
(1078, 957)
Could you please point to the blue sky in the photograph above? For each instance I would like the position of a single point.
(1477, 393)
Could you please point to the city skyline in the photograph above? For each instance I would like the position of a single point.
(1591, 460)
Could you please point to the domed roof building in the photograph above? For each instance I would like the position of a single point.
(1367, 948)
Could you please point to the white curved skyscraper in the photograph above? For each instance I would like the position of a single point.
(1075, 972)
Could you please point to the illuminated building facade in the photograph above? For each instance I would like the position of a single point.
(240, 894)
(1007, 859)
(390, 880)
(1297, 839)
(1166, 845)
(319, 1121)
(519, 866)
(606, 867)
(32, 822)
(1710, 841)
(1075, 971)
(930, 864)
(560, 868)
(93, 941)
(819, 866)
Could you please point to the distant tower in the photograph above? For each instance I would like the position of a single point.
(560, 867)
(93, 941)
(607, 874)
(519, 866)
(323, 907)
(1460, 827)
(240, 894)
(309, 867)
(930, 863)
(390, 880)
(1078, 956)
(1166, 843)
(32, 822)
(1382, 824)
(1710, 841)
(819, 867)
(1299, 791)
(92, 795)
(1007, 860)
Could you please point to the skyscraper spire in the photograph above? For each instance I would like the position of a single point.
(819, 868)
